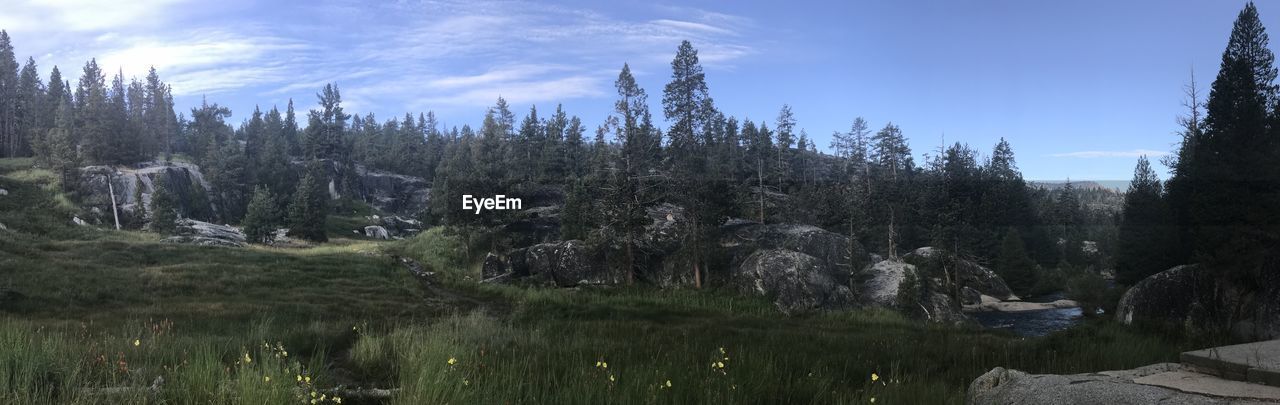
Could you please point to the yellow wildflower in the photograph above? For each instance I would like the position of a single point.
(668, 383)
(453, 361)
(722, 350)
(313, 401)
(466, 382)
(137, 342)
(597, 363)
(873, 400)
(604, 364)
(313, 394)
(299, 377)
(875, 377)
(720, 364)
(247, 359)
(266, 378)
(307, 379)
(323, 396)
(337, 400)
(611, 378)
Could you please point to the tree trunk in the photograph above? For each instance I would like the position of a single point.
(631, 274)
(115, 212)
(760, 176)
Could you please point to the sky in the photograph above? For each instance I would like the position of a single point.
(1080, 89)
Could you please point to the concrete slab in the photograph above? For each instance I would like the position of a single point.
(1257, 362)
(1196, 383)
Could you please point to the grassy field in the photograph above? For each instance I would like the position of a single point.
(101, 316)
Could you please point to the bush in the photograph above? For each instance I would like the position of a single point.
(1090, 290)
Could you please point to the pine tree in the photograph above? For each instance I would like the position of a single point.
(12, 140)
(1145, 239)
(575, 217)
(32, 112)
(308, 214)
(262, 217)
(1013, 265)
(164, 210)
(61, 143)
(783, 127)
(1224, 184)
(93, 115)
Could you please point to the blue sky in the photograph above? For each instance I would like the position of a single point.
(1079, 88)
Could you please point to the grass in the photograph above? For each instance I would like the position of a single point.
(91, 316)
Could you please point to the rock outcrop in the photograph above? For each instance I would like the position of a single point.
(968, 276)
(1164, 383)
(878, 284)
(1177, 296)
(794, 281)
(569, 263)
(192, 232)
(133, 187)
(376, 232)
(799, 267)
(1197, 299)
(389, 192)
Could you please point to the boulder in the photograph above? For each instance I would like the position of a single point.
(1176, 297)
(799, 267)
(1154, 384)
(398, 226)
(878, 284)
(376, 232)
(493, 267)
(569, 263)
(841, 255)
(794, 281)
(192, 232)
(965, 272)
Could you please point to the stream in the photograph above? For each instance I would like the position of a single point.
(1032, 323)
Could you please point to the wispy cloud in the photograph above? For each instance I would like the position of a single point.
(408, 54)
(1092, 154)
(81, 15)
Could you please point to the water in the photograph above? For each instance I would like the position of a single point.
(1032, 323)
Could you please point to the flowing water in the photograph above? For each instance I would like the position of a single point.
(1032, 323)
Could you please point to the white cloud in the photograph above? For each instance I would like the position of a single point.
(415, 54)
(1091, 154)
(82, 15)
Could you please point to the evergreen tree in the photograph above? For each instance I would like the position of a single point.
(575, 217)
(1013, 265)
(93, 115)
(308, 214)
(262, 217)
(1145, 239)
(12, 140)
(325, 135)
(32, 112)
(1225, 180)
(164, 210)
(61, 143)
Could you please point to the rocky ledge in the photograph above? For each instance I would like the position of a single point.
(1164, 383)
(192, 232)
